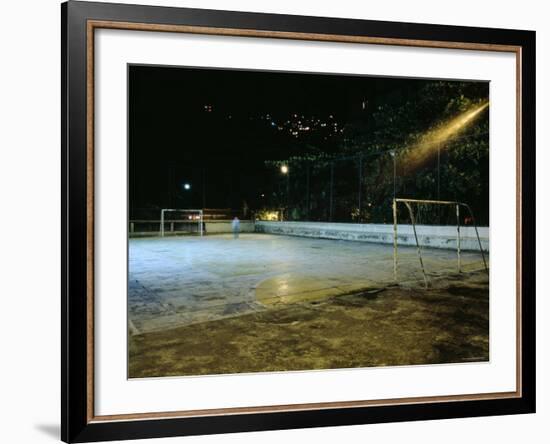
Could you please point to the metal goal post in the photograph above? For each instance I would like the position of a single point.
(409, 204)
(198, 219)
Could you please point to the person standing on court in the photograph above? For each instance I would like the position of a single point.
(236, 227)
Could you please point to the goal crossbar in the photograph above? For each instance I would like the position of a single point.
(457, 205)
(180, 210)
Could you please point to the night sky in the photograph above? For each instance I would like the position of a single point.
(214, 129)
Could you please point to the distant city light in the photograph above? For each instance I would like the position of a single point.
(284, 169)
(296, 124)
(186, 186)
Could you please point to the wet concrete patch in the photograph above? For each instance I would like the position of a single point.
(291, 288)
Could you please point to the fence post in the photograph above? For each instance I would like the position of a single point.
(307, 190)
(394, 207)
(331, 187)
(288, 194)
(360, 186)
(458, 236)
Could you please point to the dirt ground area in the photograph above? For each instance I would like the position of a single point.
(370, 326)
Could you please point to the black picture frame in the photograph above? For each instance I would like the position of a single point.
(76, 423)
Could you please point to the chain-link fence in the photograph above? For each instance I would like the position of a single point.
(360, 188)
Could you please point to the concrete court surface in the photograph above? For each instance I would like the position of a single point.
(180, 281)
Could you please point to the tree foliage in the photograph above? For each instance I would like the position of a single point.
(356, 183)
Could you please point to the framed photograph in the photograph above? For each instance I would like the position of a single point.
(276, 222)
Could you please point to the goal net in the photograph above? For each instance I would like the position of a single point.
(180, 222)
(424, 231)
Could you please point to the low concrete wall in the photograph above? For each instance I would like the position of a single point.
(429, 235)
(224, 226)
(151, 228)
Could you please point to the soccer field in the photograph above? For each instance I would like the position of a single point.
(185, 280)
(216, 305)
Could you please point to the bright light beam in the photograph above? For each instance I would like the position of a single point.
(427, 146)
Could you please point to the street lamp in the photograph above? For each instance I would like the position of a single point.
(184, 193)
(284, 169)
